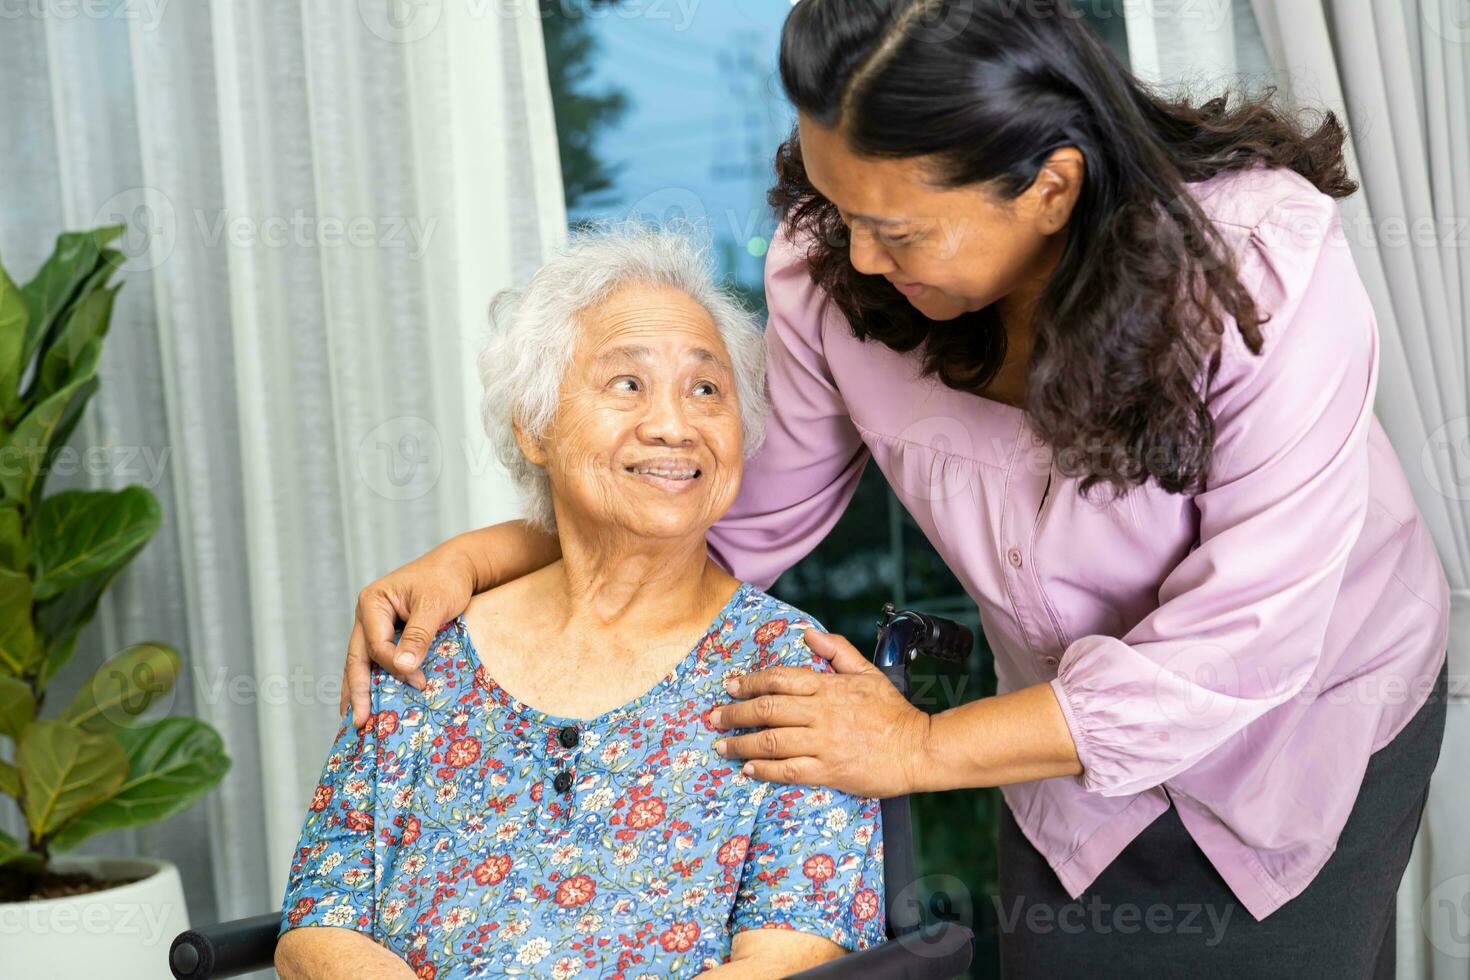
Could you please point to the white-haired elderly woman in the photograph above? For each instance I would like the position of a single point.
(544, 797)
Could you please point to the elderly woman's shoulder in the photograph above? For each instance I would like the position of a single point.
(777, 630)
(449, 661)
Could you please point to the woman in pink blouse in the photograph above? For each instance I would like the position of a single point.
(1113, 355)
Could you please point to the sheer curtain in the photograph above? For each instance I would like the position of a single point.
(321, 198)
(1397, 72)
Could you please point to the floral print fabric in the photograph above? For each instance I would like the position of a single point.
(476, 836)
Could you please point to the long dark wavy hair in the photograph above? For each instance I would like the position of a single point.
(1128, 327)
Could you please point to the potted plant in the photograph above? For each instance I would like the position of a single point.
(93, 764)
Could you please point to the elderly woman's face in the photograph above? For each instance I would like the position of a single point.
(647, 435)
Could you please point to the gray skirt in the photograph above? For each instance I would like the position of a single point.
(1341, 926)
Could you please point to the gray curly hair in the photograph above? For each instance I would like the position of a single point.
(534, 332)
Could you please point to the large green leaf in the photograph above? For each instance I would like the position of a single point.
(109, 261)
(58, 652)
(15, 550)
(73, 262)
(13, 318)
(70, 416)
(17, 706)
(171, 763)
(64, 770)
(121, 690)
(9, 781)
(83, 329)
(67, 613)
(18, 647)
(27, 449)
(82, 533)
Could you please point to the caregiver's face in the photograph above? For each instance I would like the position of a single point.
(647, 436)
(948, 251)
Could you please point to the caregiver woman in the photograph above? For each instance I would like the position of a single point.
(1112, 354)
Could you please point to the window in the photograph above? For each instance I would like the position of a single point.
(662, 116)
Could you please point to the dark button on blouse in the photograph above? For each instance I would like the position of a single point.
(563, 782)
(569, 737)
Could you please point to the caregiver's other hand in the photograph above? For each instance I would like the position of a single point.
(426, 593)
(851, 730)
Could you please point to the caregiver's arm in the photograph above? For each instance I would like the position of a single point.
(332, 953)
(428, 592)
(853, 730)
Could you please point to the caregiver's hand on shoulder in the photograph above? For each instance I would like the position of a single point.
(427, 593)
(424, 594)
(851, 730)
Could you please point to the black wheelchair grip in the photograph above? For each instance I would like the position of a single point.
(225, 950)
(945, 639)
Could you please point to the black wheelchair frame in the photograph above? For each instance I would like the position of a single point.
(919, 946)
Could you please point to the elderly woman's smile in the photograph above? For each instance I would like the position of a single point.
(647, 434)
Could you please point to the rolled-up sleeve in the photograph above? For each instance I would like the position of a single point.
(1241, 620)
(796, 487)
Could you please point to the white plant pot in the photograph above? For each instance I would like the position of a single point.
(121, 933)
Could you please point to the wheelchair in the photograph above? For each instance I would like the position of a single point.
(919, 946)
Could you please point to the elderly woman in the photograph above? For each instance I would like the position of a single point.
(545, 798)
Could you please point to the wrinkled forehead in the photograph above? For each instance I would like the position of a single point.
(649, 324)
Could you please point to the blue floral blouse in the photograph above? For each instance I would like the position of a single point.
(476, 836)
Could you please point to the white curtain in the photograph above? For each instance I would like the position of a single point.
(321, 198)
(1397, 73)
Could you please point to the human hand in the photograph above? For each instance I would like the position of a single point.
(426, 593)
(851, 730)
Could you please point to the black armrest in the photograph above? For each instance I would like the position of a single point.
(941, 950)
(226, 949)
(229, 949)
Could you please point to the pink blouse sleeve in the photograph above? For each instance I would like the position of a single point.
(1240, 622)
(796, 487)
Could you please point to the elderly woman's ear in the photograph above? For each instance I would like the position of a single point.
(533, 449)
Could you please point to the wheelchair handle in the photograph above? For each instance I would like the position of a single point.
(902, 635)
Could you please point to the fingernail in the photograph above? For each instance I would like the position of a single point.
(732, 685)
(720, 746)
(403, 661)
(748, 769)
(714, 717)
